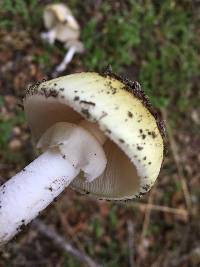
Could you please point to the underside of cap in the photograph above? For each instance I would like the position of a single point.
(78, 146)
(134, 147)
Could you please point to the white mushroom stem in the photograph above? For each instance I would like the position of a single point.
(30, 191)
(67, 59)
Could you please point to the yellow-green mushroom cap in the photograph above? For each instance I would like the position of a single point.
(134, 146)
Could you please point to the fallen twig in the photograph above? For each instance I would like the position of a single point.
(146, 221)
(181, 212)
(177, 162)
(62, 243)
(147, 214)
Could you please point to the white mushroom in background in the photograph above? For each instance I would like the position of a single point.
(98, 134)
(62, 26)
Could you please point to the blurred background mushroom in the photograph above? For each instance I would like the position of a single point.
(62, 26)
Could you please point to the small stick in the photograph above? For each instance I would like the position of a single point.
(146, 221)
(147, 214)
(178, 165)
(62, 243)
(181, 212)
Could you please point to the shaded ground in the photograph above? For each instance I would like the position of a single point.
(157, 43)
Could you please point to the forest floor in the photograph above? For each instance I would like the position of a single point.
(156, 43)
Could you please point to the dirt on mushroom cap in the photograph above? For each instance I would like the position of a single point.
(120, 114)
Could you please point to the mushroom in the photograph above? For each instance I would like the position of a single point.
(62, 26)
(98, 134)
(60, 23)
